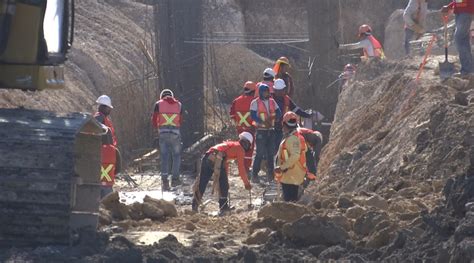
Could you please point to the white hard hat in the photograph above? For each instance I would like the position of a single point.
(269, 72)
(104, 100)
(247, 136)
(166, 92)
(279, 84)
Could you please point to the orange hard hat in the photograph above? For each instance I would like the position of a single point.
(250, 85)
(290, 118)
(364, 29)
(283, 60)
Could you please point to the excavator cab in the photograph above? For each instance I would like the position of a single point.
(35, 36)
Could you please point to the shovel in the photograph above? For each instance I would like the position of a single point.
(446, 69)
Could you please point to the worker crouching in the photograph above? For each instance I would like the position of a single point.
(215, 164)
(290, 168)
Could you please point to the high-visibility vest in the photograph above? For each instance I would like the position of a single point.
(242, 111)
(109, 161)
(223, 147)
(169, 114)
(108, 123)
(378, 50)
(284, 155)
(264, 115)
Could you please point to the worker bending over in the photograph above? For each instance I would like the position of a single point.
(368, 43)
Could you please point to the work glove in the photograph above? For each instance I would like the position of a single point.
(248, 186)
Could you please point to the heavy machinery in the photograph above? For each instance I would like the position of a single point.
(49, 163)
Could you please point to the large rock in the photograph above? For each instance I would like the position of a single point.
(167, 207)
(259, 237)
(341, 221)
(355, 211)
(366, 223)
(335, 252)
(287, 212)
(314, 230)
(153, 212)
(266, 222)
(377, 201)
(380, 238)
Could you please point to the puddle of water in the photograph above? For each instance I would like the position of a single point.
(129, 198)
(150, 237)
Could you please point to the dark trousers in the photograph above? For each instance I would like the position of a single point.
(265, 143)
(278, 137)
(207, 168)
(290, 192)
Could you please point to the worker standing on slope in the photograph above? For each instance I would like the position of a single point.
(281, 67)
(111, 158)
(290, 168)
(264, 111)
(464, 12)
(370, 45)
(414, 17)
(215, 163)
(346, 76)
(167, 122)
(285, 103)
(240, 113)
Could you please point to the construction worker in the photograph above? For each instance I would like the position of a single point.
(240, 113)
(167, 122)
(314, 142)
(369, 44)
(290, 168)
(464, 12)
(268, 77)
(346, 76)
(264, 111)
(281, 67)
(215, 164)
(285, 103)
(110, 155)
(414, 17)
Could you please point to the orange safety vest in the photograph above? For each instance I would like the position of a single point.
(242, 111)
(223, 147)
(264, 115)
(378, 50)
(109, 161)
(108, 123)
(169, 114)
(284, 152)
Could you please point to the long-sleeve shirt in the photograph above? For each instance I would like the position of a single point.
(364, 44)
(292, 107)
(415, 13)
(233, 151)
(254, 110)
(292, 172)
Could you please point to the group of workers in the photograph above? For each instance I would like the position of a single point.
(266, 120)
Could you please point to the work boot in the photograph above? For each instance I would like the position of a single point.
(165, 184)
(175, 182)
(194, 205)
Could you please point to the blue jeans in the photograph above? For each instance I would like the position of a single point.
(170, 148)
(265, 147)
(409, 34)
(463, 43)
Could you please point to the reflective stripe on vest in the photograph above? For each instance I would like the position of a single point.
(107, 169)
(284, 152)
(378, 50)
(243, 119)
(169, 114)
(263, 114)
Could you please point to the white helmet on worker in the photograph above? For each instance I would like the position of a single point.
(104, 100)
(268, 72)
(279, 84)
(166, 93)
(246, 136)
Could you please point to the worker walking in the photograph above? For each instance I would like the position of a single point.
(215, 164)
(268, 79)
(464, 12)
(281, 68)
(414, 17)
(368, 43)
(285, 103)
(264, 111)
(290, 167)
(240, 113)
(110, 155)
(167, 122)
(314, 142)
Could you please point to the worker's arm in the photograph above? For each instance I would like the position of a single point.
(232, 110)
(154, 118)
(293, 148)
(253, 112)
(106, 138)
(294, 108)
(241, 165)
(278, 114)
(410, 12)
(352, 46)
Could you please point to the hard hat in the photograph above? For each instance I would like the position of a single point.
(349, 67)
(166, 92)
(246, 136)
(279, 84)
(283, 60)
(291, 119)
(314, 138)
(263, 87)
(104, 100)
(250, 85)
(268, 72)
(364, 29)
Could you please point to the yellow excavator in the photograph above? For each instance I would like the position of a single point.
(49, 162)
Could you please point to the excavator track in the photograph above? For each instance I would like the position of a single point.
(49, 176)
